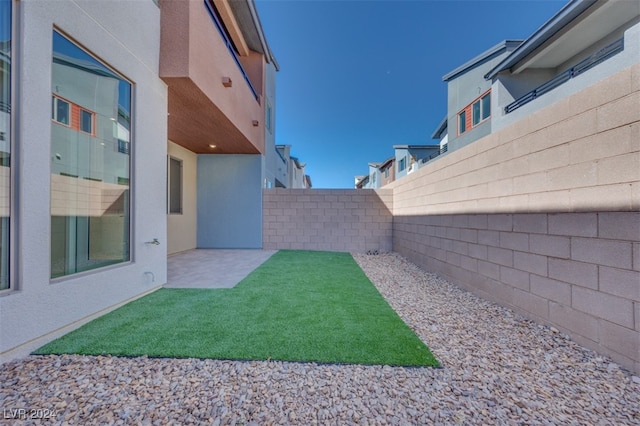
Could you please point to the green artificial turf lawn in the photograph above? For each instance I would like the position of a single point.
(297, 306)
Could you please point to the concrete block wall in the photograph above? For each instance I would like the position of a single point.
(327, 219)
(542, 216)
(579, 272)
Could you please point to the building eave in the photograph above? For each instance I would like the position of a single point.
(442, 127)
(568, 13)
(484, 56)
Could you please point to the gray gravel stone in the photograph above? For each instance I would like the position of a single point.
(497, 368)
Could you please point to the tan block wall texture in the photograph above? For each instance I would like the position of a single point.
(331, 219)
(542, 216)
(579, 272)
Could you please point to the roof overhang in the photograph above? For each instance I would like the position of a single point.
(578, 25)
(503, 46)
(248, 21)
(442, 127)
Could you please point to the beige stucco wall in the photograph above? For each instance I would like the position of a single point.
(579, 154)
(181, 228)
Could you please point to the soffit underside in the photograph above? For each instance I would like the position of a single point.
(195, 122)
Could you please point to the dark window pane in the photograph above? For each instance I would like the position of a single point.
(476, 112)
(462, 122)
(62, 112)
(86, 121)
(175, 186)
(486, 106)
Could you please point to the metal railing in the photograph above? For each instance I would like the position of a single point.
(229, 45)
(599, 56)
(442, 150)
(5, 107)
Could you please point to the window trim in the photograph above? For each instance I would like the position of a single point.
(180, 162)
(54, 110)
(132, 162)
(12, 244)
(468, 110)
(402, 164)
(92, 117)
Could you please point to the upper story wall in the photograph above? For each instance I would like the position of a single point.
(579, 154)
(462, 90)
(508, 87)
(205, 110)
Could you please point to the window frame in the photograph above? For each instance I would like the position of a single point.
(470, 110)
(12, 228)
(462, 122)
(92, 117)
(54, 111)
(130, 202)
(170, 175)
(268, 112)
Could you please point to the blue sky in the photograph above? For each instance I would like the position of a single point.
(357, 77)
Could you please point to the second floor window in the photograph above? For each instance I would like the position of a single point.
(60, 111)
(475, 113)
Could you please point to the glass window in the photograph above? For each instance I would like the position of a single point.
(486, 106)
(60, 111)
(268, 117)
(86, 121)
(90, 175)
(402, 164)
(5, 140)
(175, 186)
(476, 112)
(462, 122)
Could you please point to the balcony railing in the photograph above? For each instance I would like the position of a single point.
(229, 44)
(600, 56)
(442, 150)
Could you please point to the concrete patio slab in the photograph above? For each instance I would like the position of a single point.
(213, 268)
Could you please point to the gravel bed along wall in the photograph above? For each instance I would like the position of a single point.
(498, 368)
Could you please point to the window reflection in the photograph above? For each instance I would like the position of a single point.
(5, 139)
(91, 127)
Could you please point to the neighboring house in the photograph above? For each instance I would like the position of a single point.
(388, 171)
(145, 124)
(219, 68)
(290, 172)
(307, 182)
(409, 158)
(298, 176)
(442, 134)
(362, 182)
(374, 175)
(469, 104)
(379, 175)
(585, 42)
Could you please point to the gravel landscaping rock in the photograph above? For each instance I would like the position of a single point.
(497, 368)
